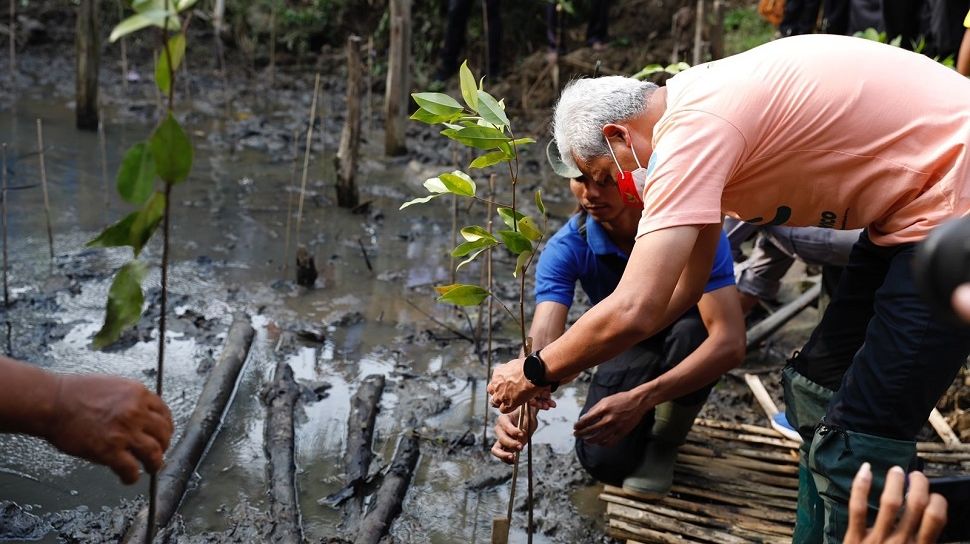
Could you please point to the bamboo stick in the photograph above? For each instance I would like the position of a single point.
(306, 156)
(43, 184)
(942, 428)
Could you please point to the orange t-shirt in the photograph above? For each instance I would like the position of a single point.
(814, 130)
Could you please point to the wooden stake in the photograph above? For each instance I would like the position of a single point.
(306, 156)
(345, 162)
(768, 405)
(87, 41)
(501, 526)
(942, 428)
(289, 200)
(398, 85)
(43, 184)
(104, 169)
(3, 213)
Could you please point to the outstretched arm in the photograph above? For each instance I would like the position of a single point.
(106, 419)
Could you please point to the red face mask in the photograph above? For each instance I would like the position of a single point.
(629, 183)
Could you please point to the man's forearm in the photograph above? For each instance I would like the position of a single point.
(28, 396)
(963, 57)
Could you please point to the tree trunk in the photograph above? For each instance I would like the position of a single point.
(184, 458)
(346, 159)
(87, 40)
(398, 76)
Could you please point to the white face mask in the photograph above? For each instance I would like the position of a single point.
(629, 183)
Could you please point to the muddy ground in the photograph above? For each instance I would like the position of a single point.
(229, 224)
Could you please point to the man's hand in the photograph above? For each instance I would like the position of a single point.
(961, 297)
(611, 419)
(923, 518)
(112, 421)
(509, 439)
(509, 387)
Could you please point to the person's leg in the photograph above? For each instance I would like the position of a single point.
(639, 364)
(455, 29)
(908, 360)
(759, 277)
(902, 18)
(812, 376)
(597, 30)
(653, 477)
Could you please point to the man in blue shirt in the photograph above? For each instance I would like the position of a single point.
(638, 410)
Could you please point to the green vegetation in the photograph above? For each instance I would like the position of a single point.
(744, 29)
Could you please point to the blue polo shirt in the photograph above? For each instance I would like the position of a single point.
(597, 263)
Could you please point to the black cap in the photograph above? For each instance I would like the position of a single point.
(557, 164)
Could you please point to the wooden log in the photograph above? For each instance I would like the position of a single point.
(942, 428)
(281, 399)
(390, 496)
(398, 78)
(345, 161)
(666, 521)
(87, 42)
(364, 406)
(200, 430)
(754, 439)
(772, 323)
(650, 535)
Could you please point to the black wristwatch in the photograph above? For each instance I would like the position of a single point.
(535, 371)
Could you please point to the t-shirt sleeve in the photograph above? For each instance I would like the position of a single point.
(556, 273)
(722, 273)
(695, 154)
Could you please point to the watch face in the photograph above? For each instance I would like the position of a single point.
(533, 370)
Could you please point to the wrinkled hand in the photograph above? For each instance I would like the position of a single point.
(509, 387)
(923, 518)
(112, 421)
(509, 439)
(611, 419)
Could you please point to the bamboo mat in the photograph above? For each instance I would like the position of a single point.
(734, 484)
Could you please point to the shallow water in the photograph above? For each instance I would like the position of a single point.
(229, 221)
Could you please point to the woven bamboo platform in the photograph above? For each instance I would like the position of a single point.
(734, 484)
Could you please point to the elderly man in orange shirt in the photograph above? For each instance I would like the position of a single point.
(806, 131)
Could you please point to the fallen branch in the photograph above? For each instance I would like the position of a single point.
(280, 401)
(390, 496)
(775, 321)
(360, 435)
(184, 459)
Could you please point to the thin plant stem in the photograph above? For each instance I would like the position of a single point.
(488, 274)
(515, 468)
(104, 168)
(3, 213)
(43, 184)
(306, 156)
(289, 200)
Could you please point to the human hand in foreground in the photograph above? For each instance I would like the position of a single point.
(923, 518)
(509, 439)
(509, 387)
(961, 301)
(611, 419)
(112, 421)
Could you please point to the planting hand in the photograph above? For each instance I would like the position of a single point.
(611, 419)
(923, 518)
(509, 387)
(112, 421)
(961, 301)
(509, 439)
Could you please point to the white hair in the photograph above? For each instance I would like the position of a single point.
(587, 105)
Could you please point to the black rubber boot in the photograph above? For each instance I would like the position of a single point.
(654, 476)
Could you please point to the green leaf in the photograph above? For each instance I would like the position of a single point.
(424, 116)
(474, 252)
(136, 176)
(116, 235)
(138, 21)
(419, 200)
(539, 204)
(468, 90)
(520, 262)
(176, 48)
(486, 138)
(489, 159)
(125, 300)
(508, 218)
(458, 183)
(462, 295)
(146, 222)
(475, 233)
(530, 229)
(172, 151)
(435, 185)
(490, 110)
(437, 103)
(518, 142)
(473, 247)
(481, 84)
(515, 241)
(182, 5)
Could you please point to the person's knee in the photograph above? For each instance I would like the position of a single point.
(607, 465)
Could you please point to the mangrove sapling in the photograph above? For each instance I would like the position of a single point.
(166, 155)
(481, 123)
(306, 160)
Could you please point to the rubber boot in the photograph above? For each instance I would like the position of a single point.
(835, 457)
(806, 402)
(654, 476)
